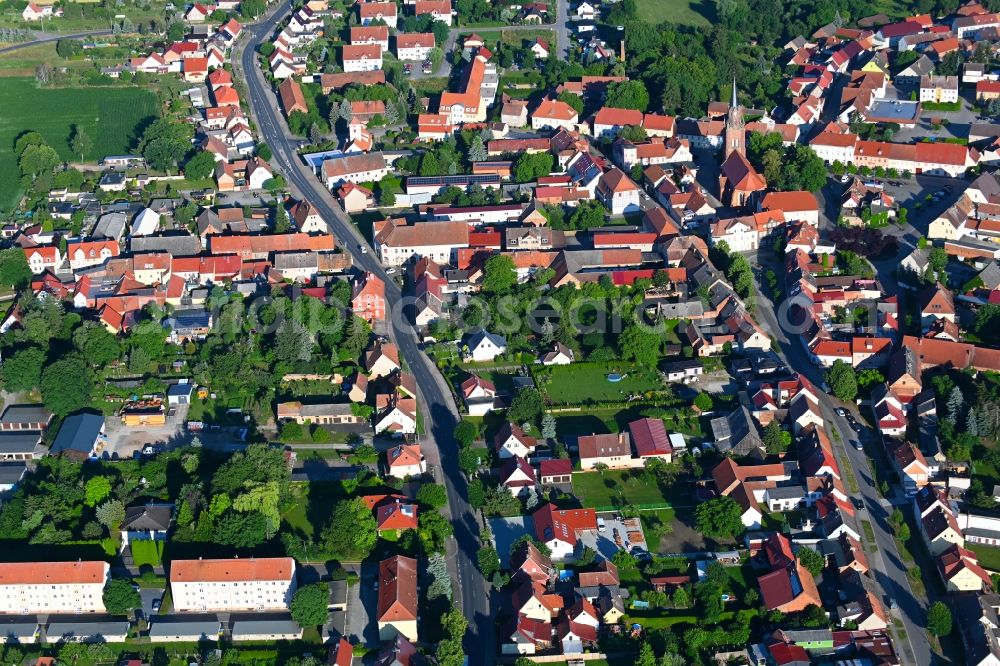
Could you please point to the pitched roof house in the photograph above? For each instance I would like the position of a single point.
(396, 611)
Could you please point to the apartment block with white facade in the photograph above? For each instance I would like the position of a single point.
(255, 584)
(52, 587)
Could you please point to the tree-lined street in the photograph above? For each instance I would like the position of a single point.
(438, 408)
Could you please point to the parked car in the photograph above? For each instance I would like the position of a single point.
(156, 605)
(601, 525)
(856, 444)
(858, 503)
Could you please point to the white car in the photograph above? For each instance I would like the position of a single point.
(364, 250)
(390, 271)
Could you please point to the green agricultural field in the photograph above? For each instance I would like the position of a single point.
(579, 383)
(685, 12)
(113, 117)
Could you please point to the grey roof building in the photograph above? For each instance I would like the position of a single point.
(24, 445)
(179, 393)
(25, 417)
(148, 517)
(86, 629)
(19, 629)
(111, 226)
(263, 626)
(736, 433)
(11, 475)
(78, 435)
(187, 627)
(177, 245)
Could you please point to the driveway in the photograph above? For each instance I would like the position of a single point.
(149, 595)
(362, 600)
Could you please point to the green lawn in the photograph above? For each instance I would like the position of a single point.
(582, 382)
(656, 618)
(596, 489)
(517, 38)
(989, 556)
(113, 118)
(655, 524)
(686, 12)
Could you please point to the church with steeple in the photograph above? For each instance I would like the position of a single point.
(736, 133)
(738, 180)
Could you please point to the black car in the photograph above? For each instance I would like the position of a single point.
(858, 502)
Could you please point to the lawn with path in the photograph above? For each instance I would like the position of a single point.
(113, 117)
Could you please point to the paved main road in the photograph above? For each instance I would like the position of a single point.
(438, 408)
(890, 571)
(43, 37)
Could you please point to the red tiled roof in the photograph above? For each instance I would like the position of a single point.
(649, 437)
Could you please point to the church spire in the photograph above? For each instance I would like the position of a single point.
(735, 127)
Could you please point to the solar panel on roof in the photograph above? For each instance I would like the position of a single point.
(481, 179)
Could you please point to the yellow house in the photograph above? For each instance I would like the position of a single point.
(611, 608)
(876, 66)
(941, 531)
(946, 226)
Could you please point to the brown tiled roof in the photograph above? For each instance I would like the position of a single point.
(422, 234)
(397, 592)
(602, 446)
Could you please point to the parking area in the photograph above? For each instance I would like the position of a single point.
(150, 597)
(613, 534)
(125, 440)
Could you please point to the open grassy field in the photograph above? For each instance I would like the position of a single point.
(579, 382)
(595, 489)
(685, 12)
(113, 117)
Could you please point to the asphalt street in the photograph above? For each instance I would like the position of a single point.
(889, 569)
(439, 411)
(43, 37)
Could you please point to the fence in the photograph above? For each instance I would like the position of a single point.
(652, 506)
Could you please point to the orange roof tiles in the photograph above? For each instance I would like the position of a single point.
(52, 573)
(235, 569)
